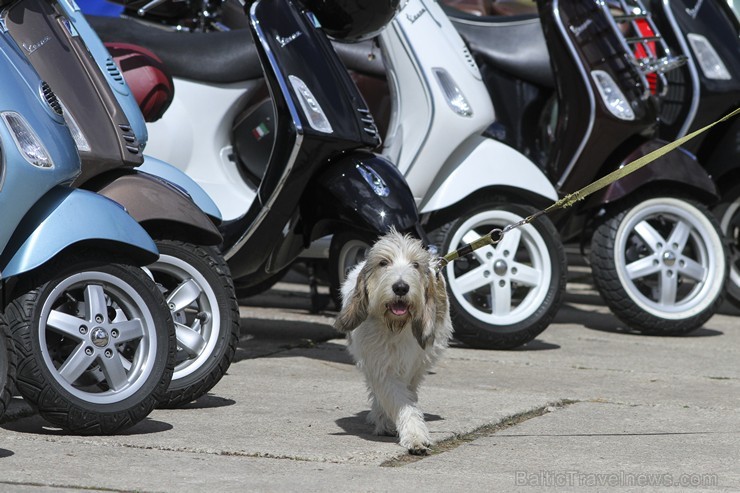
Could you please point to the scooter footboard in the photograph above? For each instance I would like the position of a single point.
(66, 217)
(360, 190)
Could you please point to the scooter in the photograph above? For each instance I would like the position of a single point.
(331, 181)
(93, 336)
(574, 98)
(448, 165)
(702, 91)
(190, 271)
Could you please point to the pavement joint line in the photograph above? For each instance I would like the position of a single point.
(64, 487)
(484, 431)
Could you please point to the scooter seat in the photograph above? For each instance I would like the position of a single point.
(514, 44)
(218, 57)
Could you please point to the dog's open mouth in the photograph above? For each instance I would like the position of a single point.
(398, 308)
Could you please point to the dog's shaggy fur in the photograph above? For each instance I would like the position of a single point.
(395, 307)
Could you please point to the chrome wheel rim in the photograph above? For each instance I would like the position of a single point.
(98, 338)
(194, 307)
(500, 284)
(669, 258)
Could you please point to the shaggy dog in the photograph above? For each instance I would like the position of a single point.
(395, 306)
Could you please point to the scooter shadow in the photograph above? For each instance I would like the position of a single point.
(358, 426)
(39, 426)
(6, 453)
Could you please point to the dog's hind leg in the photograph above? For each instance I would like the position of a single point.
(384, 425)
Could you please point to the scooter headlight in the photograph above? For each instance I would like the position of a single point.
(26, 140)
(311, 108)
(454, 96)
(612, 96)
(707, 58)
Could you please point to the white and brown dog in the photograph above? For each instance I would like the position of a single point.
(395, 306)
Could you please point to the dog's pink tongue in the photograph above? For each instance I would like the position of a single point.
(399, 308)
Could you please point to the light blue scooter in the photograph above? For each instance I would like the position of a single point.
(110, 134)
(94, 338)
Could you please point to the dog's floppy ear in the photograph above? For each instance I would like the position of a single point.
(434, 310)
(354, 307)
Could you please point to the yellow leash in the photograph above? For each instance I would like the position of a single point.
(497, 234)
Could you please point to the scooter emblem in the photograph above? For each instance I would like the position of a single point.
(31, 47)
(285, 40)
(374, 180)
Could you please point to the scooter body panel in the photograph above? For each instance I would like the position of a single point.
(676, 168)
(157, 203)
(194, 134)
(175, 176)
(108, 67)
(21, 183)
(481, 163)
(360, 189)
(428, 65)
(65, 217)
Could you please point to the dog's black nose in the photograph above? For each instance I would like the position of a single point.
(400, 288)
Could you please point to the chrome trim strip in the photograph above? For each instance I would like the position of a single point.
(296, 147)
(591, 99)
(692, 69)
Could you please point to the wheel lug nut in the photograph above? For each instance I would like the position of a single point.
(99, 318)
(486, 273)
(502, 283)
(114, 333)
(88, 351)
(83, 329)
(108, 353)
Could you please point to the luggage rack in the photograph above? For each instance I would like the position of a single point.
(643, 42)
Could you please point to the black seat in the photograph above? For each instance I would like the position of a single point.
(220, 57)
(514, 44)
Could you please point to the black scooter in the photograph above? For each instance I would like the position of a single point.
(318, 176)
(570, 93)
(705, 89)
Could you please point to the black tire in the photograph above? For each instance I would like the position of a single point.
(728, 215)
(646, 258)
(249, 290)
(346, 249)
(532, 302)
(197, 286)
(77, 289)
(7, 366)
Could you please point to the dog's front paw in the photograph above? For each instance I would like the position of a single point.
(419, 449)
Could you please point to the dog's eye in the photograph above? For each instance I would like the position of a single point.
(383, 263)
(415, 265)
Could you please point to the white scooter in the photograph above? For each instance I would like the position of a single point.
(464, 183)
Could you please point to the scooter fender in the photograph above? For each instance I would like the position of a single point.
(362, 189)
(482, 163)
(66, 217)
(158, 205)
(676, 167)
(160, 168)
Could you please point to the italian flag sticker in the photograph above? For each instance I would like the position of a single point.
(260, 131)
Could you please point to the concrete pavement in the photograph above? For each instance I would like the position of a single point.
(587, 406)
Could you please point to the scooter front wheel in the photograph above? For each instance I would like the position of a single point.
(7, 366)
(197, 286)
(346, 250)
(660, 264)
(728, 214)
(95, 343)
(503, 295)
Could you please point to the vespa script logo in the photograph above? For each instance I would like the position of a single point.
(415, 17)
(285, 40)
(31, 47)
(695, 11)
(577, 30)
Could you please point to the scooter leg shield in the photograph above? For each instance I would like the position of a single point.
(155, 203)
(363, 190)
(67, 216)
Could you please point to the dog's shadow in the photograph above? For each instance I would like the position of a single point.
(358, 426)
